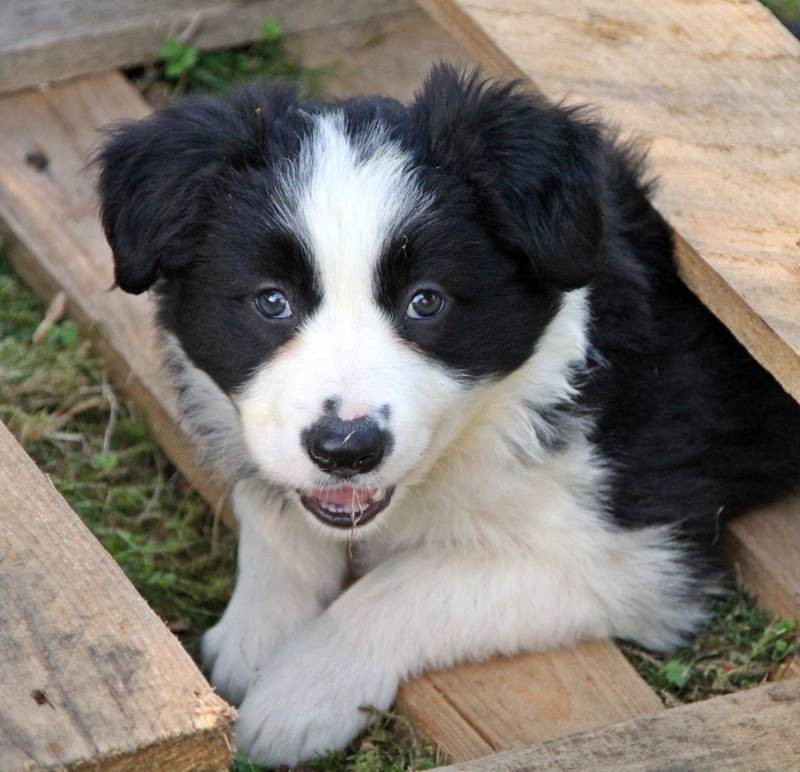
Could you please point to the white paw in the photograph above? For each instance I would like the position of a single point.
(307, 700)
(234, 650)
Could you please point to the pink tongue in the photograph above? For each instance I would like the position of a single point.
(344, 497)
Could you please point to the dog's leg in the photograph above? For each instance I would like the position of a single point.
(409, 614)
(287, 574)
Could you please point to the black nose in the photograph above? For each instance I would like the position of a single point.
(345, 448)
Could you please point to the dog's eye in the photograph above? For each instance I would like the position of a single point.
(273, 304)
(425, 304)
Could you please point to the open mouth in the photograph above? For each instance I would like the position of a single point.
(346, 507)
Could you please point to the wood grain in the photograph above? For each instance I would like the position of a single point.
(56, 242)
(764, 549)
(47, 40)
(388, 54)
(511, 702)
(88, 672)
(755, 730)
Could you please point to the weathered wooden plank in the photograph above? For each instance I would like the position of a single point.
(764, 548)
(44, 40)
(48, 206)
(51, 211)
(714, 88)
(753, 730)
(388, 54)
(87, 671)
(511, 702)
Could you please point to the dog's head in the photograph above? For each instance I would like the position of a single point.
(351, 275)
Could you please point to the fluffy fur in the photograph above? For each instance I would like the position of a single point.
(559, 445)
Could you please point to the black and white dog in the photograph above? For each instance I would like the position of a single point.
(444, 346)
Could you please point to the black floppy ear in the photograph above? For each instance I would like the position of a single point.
(158, 177)
(535, 167)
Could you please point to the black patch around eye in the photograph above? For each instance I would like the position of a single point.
(494, 311)
(211, 307)
(285, 258)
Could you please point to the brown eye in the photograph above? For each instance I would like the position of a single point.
(273, 304)
(425, 304)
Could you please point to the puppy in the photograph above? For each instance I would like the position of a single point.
(441, 346)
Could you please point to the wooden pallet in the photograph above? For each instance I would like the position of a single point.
(50, 213)
(88, 673)
(49, 40)
(753, 730)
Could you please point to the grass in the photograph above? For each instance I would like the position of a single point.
(783, 7)
(183, 68)
(742, 646)
(788, 11)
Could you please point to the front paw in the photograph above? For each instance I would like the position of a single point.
(307, 702)
(233, 652)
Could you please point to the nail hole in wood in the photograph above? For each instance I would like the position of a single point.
(37, 160)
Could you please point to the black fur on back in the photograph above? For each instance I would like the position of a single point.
(696, 429)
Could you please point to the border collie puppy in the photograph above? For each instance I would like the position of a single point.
(441, 346)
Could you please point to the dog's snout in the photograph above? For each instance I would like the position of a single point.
(345, 448)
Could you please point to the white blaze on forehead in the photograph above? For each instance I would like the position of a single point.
(354, 193)
(346, 198)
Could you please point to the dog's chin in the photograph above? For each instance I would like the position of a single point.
(346, 507)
